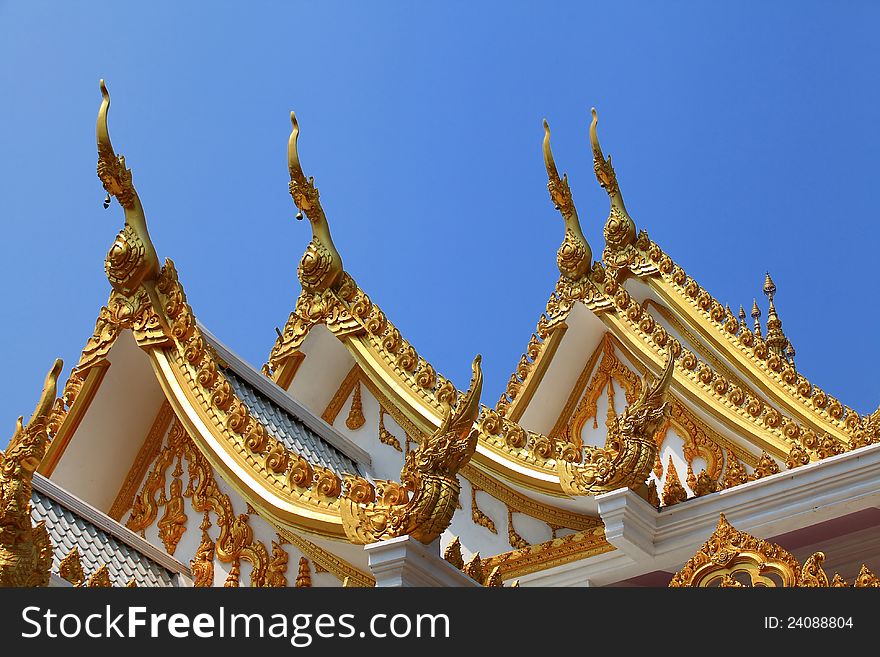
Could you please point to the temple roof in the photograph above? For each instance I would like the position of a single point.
(100, 540)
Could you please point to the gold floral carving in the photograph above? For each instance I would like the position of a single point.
(453, 555)
(71, 568)
(202, 565)
(236, 539)
(673, 491)
(766, 467)
(304, 575)
(355, 419)
(25, 548)
(429, 474)
(477, 514)
(555, 552)
(474, 568)
(628, 455)
(100, 578)
(276, 574)
(233, 579)
(515, 540)
(385, 436)
(734, 474)
(730, 552)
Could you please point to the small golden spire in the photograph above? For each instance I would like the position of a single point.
(321, 266)
(132, 259)
(776, 340)
(756, 315)
(742, 318)
(620, 229)
(574, 258)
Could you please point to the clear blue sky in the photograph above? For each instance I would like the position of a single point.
(745, 138)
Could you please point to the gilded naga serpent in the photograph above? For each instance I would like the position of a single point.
(628, 455)
(423, 504)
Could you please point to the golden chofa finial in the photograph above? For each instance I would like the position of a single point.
(574, 258)
(320, 268)
(132, 259)
(620, 229)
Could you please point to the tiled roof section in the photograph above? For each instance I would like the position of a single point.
(290, 430)
(96, 547)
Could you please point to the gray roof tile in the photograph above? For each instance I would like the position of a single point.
(290, 430)
(96, 547)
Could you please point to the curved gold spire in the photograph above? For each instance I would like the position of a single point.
(423, 505)
(320, 268)
(574, 258)
(132, 259)
(630, 450)
(620, 229)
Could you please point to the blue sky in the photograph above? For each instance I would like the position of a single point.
(745, 138)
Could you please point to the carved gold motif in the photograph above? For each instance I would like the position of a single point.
(100, 578)
(555, 552)
(202, 565)
(628, 455)
(429, 474)
(385, 436)
(515, 540)
(25, 548)
(276, 574)
(325, 561)
(474, 568)
(342, 393)
(172, 525)
(355, 419)
(304, 575)
(730, 552)
(453, 555)
(71, 568)
(478, 516)
(673, 491)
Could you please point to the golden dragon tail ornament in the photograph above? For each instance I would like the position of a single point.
(620, 229)
(132, 259)
(574, 258)
(423, 505)
(25, 550)
(628, 456)
(320, 268)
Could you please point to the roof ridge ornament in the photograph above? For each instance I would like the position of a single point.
(423, 504)
(132, 259)
(574, 258)
(776, 340)
(320, 267)
(25, 549)
(620, 229)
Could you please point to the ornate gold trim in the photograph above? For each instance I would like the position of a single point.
(730, 552)
(74, 415)
(337, 401)
(286, 372)
(549, 554)
(150, 446)
(338, 567)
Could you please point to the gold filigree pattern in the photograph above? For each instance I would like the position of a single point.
(513, 537)
(303, 575)
(202, 564)
(477, 514)
(730, 552)
(453, 555)
(429, 474)
(276, 574)
(385, 436)
(673, 491)
(356, 419)
(71, 568)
